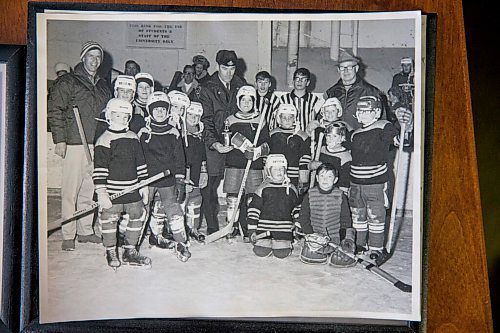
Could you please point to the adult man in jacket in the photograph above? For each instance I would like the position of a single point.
(218, 97)
(86, 90)
(350, 87)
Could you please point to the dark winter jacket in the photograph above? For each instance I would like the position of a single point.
(218, 104)
(349, 98)
(77, 89)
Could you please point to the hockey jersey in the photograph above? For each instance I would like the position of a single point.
(369, 149)
(272, 208)
(341, 160)
(164, 150)
(248, 127)
(119, 163)
(295, 147)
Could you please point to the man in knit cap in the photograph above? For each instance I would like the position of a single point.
(85, 89)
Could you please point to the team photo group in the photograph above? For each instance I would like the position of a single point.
(204, 159)
(313, 169)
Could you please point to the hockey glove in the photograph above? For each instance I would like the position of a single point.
(253, 236)
(180, 189)
(311, 127)
(302, 188)
(203, 180)
(103, 199)
(144, 192)
(348, 245)
(256, 153)
(313, 165)
(240, 142)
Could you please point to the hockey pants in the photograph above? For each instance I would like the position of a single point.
(109, 219)
(368, 206)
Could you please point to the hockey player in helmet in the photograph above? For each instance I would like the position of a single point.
(124, 89)
(272, 209)
(320, 220)
(243, 125)
(368, 200)
(163, 149)
(330, 112)
(179, 102)
(289, 140)
(145, 87)
(196, 159)
(119, 163)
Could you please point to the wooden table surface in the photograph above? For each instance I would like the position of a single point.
(457, 291)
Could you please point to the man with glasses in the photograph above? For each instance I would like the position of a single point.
(350, 88)
(307, 104)
(188, 84)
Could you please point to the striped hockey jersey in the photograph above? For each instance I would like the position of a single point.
(369, 149)
(269, 108)
(273, 209)
(341, 160)
(119, 163)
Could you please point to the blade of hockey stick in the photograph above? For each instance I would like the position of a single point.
(58, 223)
(376, 270)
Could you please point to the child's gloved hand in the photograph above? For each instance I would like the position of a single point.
(180, 189)
(144, 192)
(103, 200)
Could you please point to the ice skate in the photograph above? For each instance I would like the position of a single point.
(112, 258)
(182, 252)
(161, 242)
(197, 235)
(133, 258)
(380, 257)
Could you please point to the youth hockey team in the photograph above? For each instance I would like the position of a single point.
(310, 176)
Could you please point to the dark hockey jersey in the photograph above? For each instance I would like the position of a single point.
(136, 123)
(341, 160)
(195, 155)
(164, 150)
(119, 163)
(369, 149)
(248, 127)
(295, 147)
(273, 209)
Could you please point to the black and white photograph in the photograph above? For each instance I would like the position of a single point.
(248, 166)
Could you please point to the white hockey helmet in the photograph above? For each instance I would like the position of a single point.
(286, 109)
(157, 99)
(125, 82)
(118, 105)
(145, 77)
(275, 160)
(406, 61)
(246, 91)
(195, 108)
(332, 101)
(179, 98)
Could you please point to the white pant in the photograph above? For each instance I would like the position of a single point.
(76, 191)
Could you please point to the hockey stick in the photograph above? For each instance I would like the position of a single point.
(316, 158)
(58, 223)
(79, 124)
(229, 226)
(396, 189)
(375, 270)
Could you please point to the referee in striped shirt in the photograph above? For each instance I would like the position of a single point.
(307, 104)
